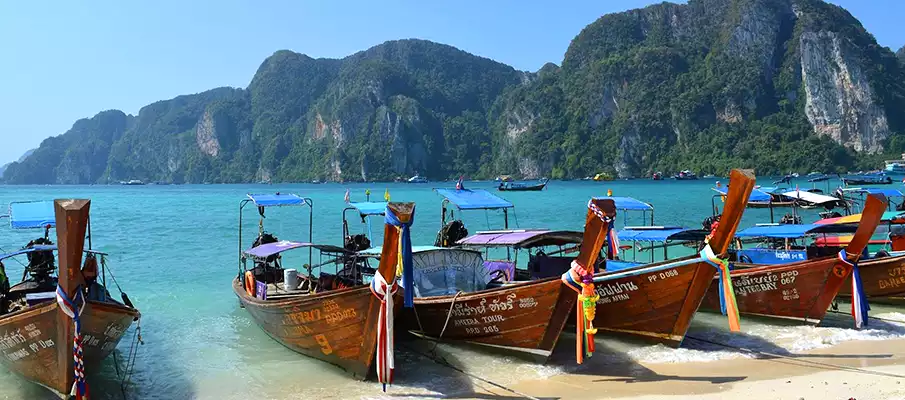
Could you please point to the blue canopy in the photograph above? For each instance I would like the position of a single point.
(758, 196)
(628, 203)
(661, 234)
(785, 231)
(370, 208)
(278, 199)
(883, 191)
(31, 214)
(474, 199)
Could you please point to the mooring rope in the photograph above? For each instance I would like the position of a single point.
(823, 364)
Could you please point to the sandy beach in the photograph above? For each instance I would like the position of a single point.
(857, 369)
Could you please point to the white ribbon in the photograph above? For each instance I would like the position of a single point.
(384, 292)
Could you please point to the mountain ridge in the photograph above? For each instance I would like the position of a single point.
(707, 85)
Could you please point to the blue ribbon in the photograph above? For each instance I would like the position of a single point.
(408, 278)
(857, 290)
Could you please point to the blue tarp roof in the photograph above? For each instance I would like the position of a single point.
(628, 203)
(756, 194)
(783, 231)
(476, 199)
(883, 191)
(661, 234)
(278, 199)
(370, 208)
(31, 214)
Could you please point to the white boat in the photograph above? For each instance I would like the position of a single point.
(417, 179)
(132, 182)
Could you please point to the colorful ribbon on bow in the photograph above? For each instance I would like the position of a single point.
(404, 267)
(73, 309)
(860, 307)
(728, 304)
(385, 339)
(579, 279)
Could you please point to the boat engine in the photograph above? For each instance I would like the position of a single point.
(790, 219)
(708, 222)
(451, 233)
(40, 263)
(356, 243)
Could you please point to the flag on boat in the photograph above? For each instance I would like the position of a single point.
(386, 195)
(348, 197)
(459, 185)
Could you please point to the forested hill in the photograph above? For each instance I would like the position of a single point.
(901, 54)
(776, 85)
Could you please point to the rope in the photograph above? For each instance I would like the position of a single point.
(442, 361)
(448, 314)
(823, 364)
(126, 377)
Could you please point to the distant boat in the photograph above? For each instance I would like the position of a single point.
(132, 182)
(522, 187)
(657, 176)
(603, 177)
(417, 179)
(709, 176)
(867, 180)
(685, 175)
(316, 181)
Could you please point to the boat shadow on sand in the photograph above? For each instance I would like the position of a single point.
(447, 370)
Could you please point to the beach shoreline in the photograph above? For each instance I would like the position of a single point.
(855, 369)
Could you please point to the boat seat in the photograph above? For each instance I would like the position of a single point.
(542, 266)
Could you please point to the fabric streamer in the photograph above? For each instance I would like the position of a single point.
(860, 307)
(728, 304)
(385, 339)
(580, 278)
(73, 309)
(405, 255)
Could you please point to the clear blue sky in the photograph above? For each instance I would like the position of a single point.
(65, 60)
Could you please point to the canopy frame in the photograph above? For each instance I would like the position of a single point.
(364, 213)
(302, 202)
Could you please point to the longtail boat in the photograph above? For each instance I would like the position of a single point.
(491, 303)
(801, 290)
(657, 301)
(883, 273)
(333, 316)
(57, 326)
(524, 317)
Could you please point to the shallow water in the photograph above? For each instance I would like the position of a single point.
(174, 250)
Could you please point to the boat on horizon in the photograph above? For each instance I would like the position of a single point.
(132, 182)
(522, 187)
(417, 179)
(685, 175)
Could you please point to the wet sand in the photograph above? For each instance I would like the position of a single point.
(858, 369)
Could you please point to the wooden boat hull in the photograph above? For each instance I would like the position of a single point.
(29, 341)
(338, 326)
(533, 188)
(881, 277)
(525, 317)
(801, 291)
(654, 303)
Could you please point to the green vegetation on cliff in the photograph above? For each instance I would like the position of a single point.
(775, 85)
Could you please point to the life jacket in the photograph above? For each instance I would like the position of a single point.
(250, 283)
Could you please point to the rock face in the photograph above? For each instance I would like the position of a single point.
(901, 54)
(708, 85)
(839, 100)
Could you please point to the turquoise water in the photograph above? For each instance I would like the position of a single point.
(174, 250)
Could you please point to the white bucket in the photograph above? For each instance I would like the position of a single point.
(290, 280)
